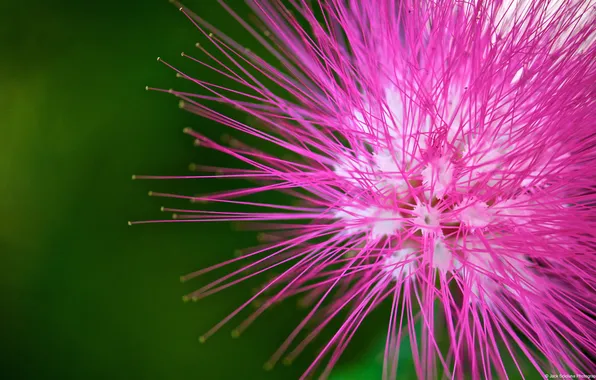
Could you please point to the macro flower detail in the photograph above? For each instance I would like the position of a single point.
(440, 156)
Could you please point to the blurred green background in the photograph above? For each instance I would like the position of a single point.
(84, 296)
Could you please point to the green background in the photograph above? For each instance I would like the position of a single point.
(84, 295)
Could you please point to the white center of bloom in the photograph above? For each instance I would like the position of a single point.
(437, 177)
(355, 170)
(389, 173)
(416, 178)
(475, 213)
(482, 158)
(401, 263)
(357, 219)
(384, 222)
(426, 218)
(515, 210)
(442, 256)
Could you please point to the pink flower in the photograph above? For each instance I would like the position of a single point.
(442, 156)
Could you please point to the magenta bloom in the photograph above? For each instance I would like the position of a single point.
(442, 156)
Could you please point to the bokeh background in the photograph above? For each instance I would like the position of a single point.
(85, 296)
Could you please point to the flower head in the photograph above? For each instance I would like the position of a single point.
(442, 154)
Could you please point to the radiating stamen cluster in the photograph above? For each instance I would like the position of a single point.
(439, 155)
(423, 189)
